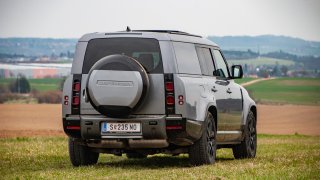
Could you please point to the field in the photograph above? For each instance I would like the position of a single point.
(33, 145)
(292, 156)
(24, 120)
(287, 91)
(45, 84)
(244, 80)
(262, 61)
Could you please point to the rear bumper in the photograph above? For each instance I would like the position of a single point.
(155, 131)
(152, 127)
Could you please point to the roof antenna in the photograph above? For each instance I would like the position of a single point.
(128, 29)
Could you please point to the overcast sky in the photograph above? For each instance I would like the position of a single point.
(73, 18)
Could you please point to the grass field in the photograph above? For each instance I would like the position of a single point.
(45, 84)
(262, 61)
(287, 91)
(244, 80)
(287, 157)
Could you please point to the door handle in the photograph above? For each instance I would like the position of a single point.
(229, 91)
(213, 89)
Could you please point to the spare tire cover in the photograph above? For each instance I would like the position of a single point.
(117, 85)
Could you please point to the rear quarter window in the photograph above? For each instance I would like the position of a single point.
(146, 51)
(187, 59)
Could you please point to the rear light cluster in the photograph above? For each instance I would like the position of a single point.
(76, 88)
(169, 93)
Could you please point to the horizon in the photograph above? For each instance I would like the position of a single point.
(71, 19)
(252, 36)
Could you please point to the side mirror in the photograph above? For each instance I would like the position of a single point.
(236, 71)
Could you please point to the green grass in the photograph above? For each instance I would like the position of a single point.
(244, 80)
(262, 61)
(45, 84)
(289, 157)
(287, 90)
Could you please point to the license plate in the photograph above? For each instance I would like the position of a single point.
(120, 127)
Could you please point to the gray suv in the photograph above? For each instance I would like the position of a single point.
(144, 92)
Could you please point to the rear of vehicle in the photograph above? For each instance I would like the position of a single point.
(146, 92)
(120, 97)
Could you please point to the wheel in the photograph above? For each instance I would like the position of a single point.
(248, 147)
(81, 155)
(135, 155)
(203, 151)
(117, 85)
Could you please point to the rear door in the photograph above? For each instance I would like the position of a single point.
(217, 87)
(146, 51)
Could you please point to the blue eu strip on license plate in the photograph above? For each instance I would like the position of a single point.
(104, 127)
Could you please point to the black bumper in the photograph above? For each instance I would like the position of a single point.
(152, 127)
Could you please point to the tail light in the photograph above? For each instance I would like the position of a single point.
(73, 127)
(170, 100)
(75, 100)
(169, 86)
(174, 122)
(76, 86)
(169, 93)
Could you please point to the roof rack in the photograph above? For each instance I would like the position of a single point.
(168, 31)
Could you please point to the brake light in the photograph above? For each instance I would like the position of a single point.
(174, 127)
(76, 86)
(75, 100)
(169, 86)
(73, 127)
(170, 100)
(169, 94)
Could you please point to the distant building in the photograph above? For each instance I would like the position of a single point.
(35, 70)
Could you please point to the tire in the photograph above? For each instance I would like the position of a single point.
(117, 85)
(248, 147)
(135, 155)
(81, 155)
(203, 151)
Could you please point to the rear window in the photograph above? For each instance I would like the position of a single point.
(146, 51)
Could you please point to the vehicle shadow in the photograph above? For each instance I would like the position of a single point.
(155, 162)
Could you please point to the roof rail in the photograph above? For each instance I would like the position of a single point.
(168, 31)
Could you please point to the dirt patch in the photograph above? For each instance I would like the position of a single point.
(289, 119)
(255, 81)
(21, 120)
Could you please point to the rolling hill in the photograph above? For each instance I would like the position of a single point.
(268, 43)
(265, 43)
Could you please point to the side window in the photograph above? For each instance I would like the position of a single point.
(221, 66)
(187, 59)
(205, 60)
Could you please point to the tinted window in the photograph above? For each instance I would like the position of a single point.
(221, 66)
(187, 59)
(146, 51)
(206, 62)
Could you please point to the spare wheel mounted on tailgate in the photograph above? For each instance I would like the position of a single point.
(117, 85)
